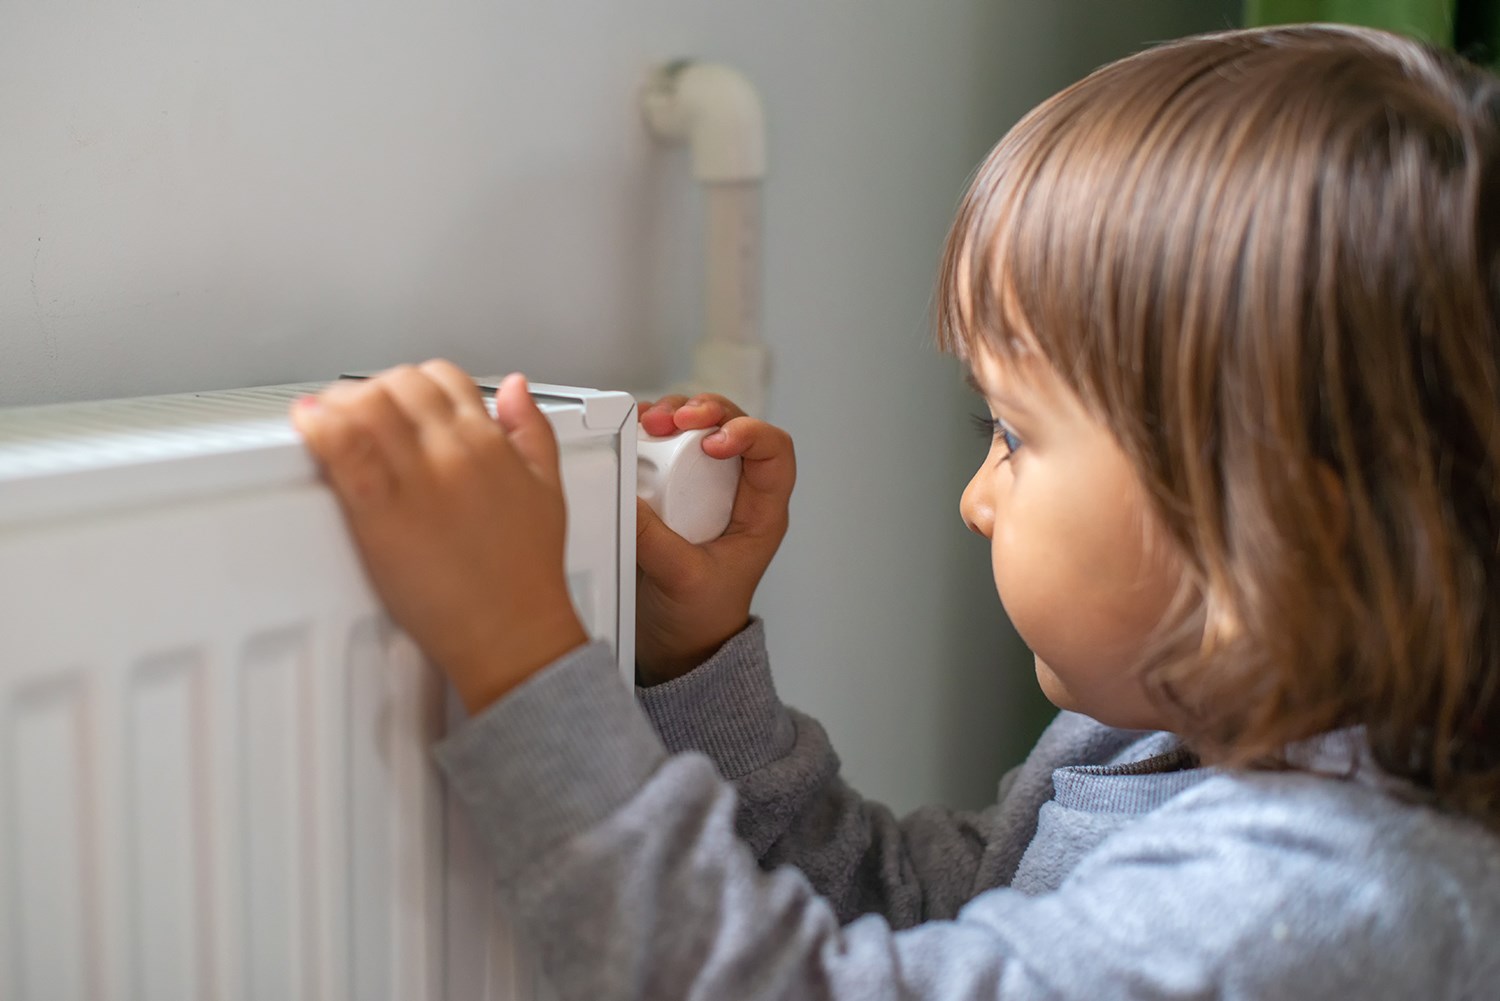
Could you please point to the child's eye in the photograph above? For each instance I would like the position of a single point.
(994, 427)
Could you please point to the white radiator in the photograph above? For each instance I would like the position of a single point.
(214, 770)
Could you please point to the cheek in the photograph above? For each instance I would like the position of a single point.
(1075, 583)
(1032, 583)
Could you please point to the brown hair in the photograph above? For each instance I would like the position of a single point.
(1269, 261)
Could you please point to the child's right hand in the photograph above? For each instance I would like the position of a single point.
(691, 599)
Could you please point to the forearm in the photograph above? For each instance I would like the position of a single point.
(793, 807)
(663, 902)
(625, 866)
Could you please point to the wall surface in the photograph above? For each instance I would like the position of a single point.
(202, 194)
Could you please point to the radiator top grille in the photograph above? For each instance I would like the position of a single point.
(64, 459)
(74, 436)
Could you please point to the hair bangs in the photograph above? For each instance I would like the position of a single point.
(1043, 240)
(977, 304)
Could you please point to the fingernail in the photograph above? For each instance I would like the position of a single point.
(307, 402)
(717, 437)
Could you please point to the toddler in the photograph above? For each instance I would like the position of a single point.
(1231, 304)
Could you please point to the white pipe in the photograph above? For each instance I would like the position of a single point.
(732, 268)
(716, 111)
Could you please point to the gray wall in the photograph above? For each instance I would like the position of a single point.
(203, 194)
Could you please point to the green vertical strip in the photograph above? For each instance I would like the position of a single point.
(1429, 20)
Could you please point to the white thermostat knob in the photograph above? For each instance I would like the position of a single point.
(692, 492)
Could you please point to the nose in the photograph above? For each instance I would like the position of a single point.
(975, 507)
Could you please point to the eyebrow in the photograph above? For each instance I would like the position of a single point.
(1010, 402)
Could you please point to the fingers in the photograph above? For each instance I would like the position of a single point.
(376, 434)
(361, 476)
(676, 413)
(371, 406)
(660, 552)
(706, 410)
(767, 474)
(465, 431)
(528, 429)
(769, 468)
(463, 396)
(421, 399)
(656, 417)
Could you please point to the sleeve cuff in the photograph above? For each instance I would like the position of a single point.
(552, 758)
(726, 708)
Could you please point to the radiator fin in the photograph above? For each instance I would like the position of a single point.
(274, 814)
(169, 828)
(51, 860)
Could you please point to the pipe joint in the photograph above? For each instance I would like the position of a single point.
(716, 110)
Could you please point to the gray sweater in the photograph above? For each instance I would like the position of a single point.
(707, 849)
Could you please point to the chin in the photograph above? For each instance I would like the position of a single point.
(1052, 686)
(1122, 717)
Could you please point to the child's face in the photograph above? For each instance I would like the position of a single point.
(1067, 520)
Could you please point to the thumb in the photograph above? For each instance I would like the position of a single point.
(527, 427)
(661, 553)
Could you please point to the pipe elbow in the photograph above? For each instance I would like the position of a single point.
(716, 110)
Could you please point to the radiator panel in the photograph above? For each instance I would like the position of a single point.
(216, 779)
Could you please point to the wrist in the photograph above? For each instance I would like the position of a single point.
(657, 664)
(492, 672)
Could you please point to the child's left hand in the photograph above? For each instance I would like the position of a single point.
(458, 517)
